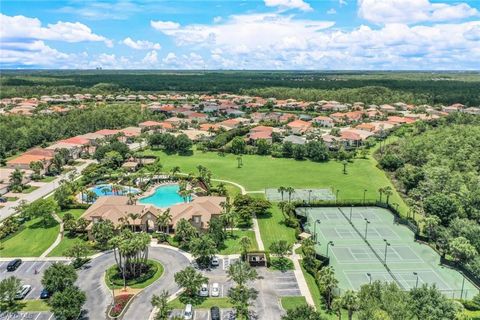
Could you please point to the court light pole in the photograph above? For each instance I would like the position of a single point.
(330, 243)
(463, 285)
(387, 244)
(366, 227)
(416, 281)
(309, 195)
(315, 229)
(336, 197)
(370, 277)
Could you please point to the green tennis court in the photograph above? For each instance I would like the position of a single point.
(300, 195)
(364, 244)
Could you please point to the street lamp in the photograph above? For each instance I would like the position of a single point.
(463, 284)
(416, 281)
(370, 277)
(387, 244)
(366, 227)
(330, 243)
(315, 228)
(364, 194)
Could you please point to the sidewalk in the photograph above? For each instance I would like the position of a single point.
(302, 283)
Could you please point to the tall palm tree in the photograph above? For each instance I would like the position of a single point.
(290, 191)
(388, 191)
(82, 190)
(281, 190)
(350, 302)
(381, 192)
(337, 307)
(133, 216)
(175, 170)
(245, 243)
(327, 283)
(164, 221)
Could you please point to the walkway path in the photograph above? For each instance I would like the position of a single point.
(58, 240)
(242, 189)
(41, 192)
(302, 283)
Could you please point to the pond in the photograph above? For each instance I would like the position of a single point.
(164, 196)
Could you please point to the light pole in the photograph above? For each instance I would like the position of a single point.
(330, 243)
(113, 293)
(336, 197)
(364, 194)
(463, 284)
(309, 195)
(387, 244)
(416, 281)
(366, 227)
(370, 277)
(315, 228)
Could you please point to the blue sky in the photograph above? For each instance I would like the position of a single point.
(264, 34)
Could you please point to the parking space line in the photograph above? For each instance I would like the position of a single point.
(38, 315)
(50, 317)
(33, 264)
(31, 291)
(43, 265)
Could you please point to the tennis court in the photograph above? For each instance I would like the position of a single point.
(300, 195)
(364, 244)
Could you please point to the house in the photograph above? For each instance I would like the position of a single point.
(295, 139)
(209, 127)
(5, 178)
(260, 135)
(74, 150)
(149, 124)
(85, 144)
(175, 121)
(298, 126)
(399, 120)
(107, 133)
(388, 108)
(231, 123)
(323, 121)
(366, 127)
(199, 212)
(23, 161)
(196, 116)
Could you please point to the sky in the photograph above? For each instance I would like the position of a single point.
(246, 34)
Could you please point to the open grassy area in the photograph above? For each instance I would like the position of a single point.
(12, 199)
(232, 244)
(29, 189)
(47, 179)
(77, 213)
(272, 227)
(32, 239)
(206, 303)
(114, 279)
(292, 302)
(68, 242)
(35, 305)
(260, 172)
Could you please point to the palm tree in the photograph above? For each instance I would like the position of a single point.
(131, 198)
(16, 179)
(241, 272)
(290, 191)
(350, 302)
(281, 205)
(381, 191)
(327, 283)
(164, 221)
(388, 192)
(281, 190)
(133, 216)
(337, 307)
(245, 243)
(175, 170)
(82, 190)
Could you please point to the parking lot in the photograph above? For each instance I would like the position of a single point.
(204, 314)
(285, 283)
(29, 272)
(28, 316)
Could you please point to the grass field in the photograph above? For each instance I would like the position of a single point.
(206, 303)
(48, 179)
(75, 212)
(66, 243)
(29, 189)
(32, 240)
(232, 244)
(35, 305)
(292, 302)
(272, 227)
(260, 172)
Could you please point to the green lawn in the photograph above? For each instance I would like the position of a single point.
(75, 212)
(232, 244)
(206, 303)
(47, 179)
(272, 227)
(292, 302)
(12, 199)
(35, 305)
(29, 189)
(260, 172)
(68, 242)
(32, 240)
(134, 283)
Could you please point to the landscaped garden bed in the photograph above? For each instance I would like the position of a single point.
(120, 303)
(153, 271)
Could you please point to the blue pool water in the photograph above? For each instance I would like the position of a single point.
(164, 196)
(102, 190)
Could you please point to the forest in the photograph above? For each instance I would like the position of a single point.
(437, 167)
(368, 87)
(19, 133)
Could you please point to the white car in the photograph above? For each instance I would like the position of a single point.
(215, 262)
(203, 290)
(22, 293)
(215, 290)
(188, 312)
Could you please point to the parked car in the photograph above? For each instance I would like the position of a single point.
(44, 294)
(215, 262)
(215, 313)
(203, 290)
(22, 293)
(3, 200)
(215, 290)
(14, 264)
(188, 312)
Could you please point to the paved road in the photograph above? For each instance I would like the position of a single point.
(99, 297)
(42, 191)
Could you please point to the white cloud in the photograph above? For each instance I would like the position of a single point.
(289, 4)
(331, 11)
(141, 44)
(150, 58)
(98, 10)
(342, 3)
(21, 27)
(412, 11)
(164, 25)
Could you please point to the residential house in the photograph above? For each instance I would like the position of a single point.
(299, 126)
(323, 121)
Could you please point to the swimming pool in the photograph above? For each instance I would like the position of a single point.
(164, 196)
(102, 190)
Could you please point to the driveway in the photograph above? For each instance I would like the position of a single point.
(91, 280)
